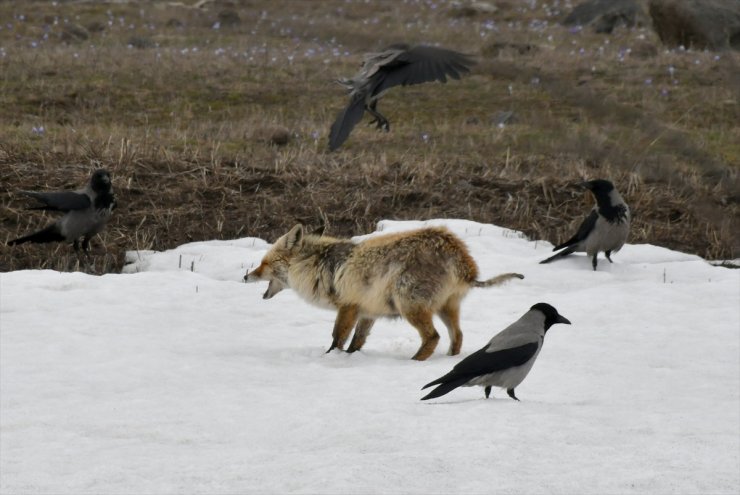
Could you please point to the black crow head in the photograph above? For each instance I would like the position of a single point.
(100, 180)
(551, 315)
(599, 187)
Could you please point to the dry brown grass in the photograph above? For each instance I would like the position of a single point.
(186, 132)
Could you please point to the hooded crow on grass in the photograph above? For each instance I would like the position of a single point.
(604, 229)
(506, 359)
(397, 65)
(86, 212)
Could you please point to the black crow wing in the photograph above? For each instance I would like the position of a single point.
(59, 201)
(346, 121)
(50, 233)
(446, 387)
(482, 363)
(583, 231)
(422, 64)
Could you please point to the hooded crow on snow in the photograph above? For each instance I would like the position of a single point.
(86, 212)
(397, 65)
(506, 359)
(604, 229)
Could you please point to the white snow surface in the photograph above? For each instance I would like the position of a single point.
(164, 380)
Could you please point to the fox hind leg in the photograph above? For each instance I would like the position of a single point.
(450, 316)
(421, 319)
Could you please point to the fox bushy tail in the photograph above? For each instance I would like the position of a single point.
(497, 280)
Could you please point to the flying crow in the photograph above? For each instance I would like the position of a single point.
(506, 359)
(398, 65)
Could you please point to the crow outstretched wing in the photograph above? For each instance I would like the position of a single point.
(420, 64)
(346, 121)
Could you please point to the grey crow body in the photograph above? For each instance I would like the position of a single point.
(506, 359)
(86, 212)
(604, 229)
(398, 65)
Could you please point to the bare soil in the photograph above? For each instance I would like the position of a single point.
(214, 123)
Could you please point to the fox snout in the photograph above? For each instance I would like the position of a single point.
(254, 275)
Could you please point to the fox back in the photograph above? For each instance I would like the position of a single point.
(378, 274)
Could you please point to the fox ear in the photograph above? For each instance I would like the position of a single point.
(294, 238)
(319, 231)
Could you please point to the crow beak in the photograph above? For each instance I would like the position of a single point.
(562, 319)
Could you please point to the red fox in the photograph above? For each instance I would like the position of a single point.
(414, 274)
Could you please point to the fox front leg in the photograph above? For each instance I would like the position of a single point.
(346, 319)
(362, 330)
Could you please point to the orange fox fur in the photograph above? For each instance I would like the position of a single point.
(414, 274)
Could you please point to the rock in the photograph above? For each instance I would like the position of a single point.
(644, 50)
(471, 9)
(141, 42)
(229, 18)
(277, 135)
(604, 15)
(703, 24)
(280, 136)
(74, 33)
(174, 23)
(96, 27)
(496, 48)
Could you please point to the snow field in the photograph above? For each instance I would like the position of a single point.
(167, 380)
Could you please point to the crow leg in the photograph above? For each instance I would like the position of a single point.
(380, 121)
(593, 260)
(511, 393)
(82, 250)
(487, 390)
(373, 109)
(86, 245)
(609, 256)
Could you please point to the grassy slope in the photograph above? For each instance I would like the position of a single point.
(184, 124)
